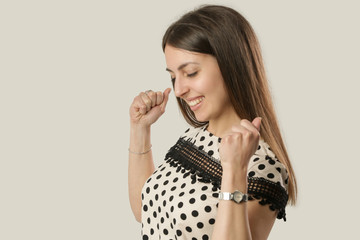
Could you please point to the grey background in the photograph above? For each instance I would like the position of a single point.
(70, 69)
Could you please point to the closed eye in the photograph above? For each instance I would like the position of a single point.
(192, 74)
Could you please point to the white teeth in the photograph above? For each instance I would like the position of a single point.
(196, 101)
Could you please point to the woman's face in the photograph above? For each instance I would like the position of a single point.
(198, 81)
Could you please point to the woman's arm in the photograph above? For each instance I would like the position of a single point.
(144, 111)
(140, 166)
(245, 220)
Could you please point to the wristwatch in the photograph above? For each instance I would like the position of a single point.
(236, 196)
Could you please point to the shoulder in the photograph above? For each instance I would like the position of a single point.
(265, 164)
(268, 179)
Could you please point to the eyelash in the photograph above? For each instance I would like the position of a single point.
(188, 75)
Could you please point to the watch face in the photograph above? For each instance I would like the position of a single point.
(238, 196)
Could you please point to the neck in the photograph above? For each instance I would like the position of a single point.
(221, 126)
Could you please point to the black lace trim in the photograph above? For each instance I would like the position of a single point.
(268, 192)
(196, 163)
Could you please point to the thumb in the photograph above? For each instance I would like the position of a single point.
(166, 98)
(257, 122)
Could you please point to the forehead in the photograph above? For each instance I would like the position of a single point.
(176, 56)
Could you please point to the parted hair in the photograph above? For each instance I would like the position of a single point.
(225, 34)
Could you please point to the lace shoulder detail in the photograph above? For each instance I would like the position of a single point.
(186, 157)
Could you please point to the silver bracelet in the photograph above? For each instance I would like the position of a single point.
(140, 153)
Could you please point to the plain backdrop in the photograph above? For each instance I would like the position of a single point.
(69, 71)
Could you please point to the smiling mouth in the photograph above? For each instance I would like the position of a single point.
(195, 102)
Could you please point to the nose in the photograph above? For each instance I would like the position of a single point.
(180, 87)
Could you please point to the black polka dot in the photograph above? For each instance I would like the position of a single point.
(164, 203)
(172, 209)
(278, 169)
(183, 185)
(211, 152)
(167, 215)
(165, 231)
(174, 221)
(148, 220)
(261, 167)
(202, 138)
(181, 194)
(200, 225)
(154, 214)
(201, 147)
(270, 175)
(173, 188)
(159, 176)
(145, 208)
(251, 173)
(256, 159)
(180, 205)
(156, 186)
(162, 169)
(192, 200)
(188, 229)
(162, 220)
(142, 196)
(145, 237)
(159, 209)
(163, 193)
(166, 182)
(178, 232)
(272, 162)
(195, 213)
(259, 147)
(175, 179)
(192, 191)
(147, 190)
(187, 130)
(152, 231)
(151, 203)
(210, 143)
(148, 180)
(183, 216)
(171, 198)
(157, 197)
(168, 174)
(211, 221)
(204, 188)
(203, 197)
(207, 209)
(205, 237)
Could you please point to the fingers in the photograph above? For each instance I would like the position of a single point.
(146, 100)
(159, 98)
(248, 128)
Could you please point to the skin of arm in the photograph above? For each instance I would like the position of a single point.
(246, 220)
(145, 110)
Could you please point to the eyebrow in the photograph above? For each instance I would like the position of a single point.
(182, 66)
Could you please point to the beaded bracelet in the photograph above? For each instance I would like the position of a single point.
(140, 153)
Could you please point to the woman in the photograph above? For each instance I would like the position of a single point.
(221, 180)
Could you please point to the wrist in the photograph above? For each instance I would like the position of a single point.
(234, 181)
(140, 140)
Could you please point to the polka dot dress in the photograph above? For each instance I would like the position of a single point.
(180, 199)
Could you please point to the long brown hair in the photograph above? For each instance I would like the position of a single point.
(227, 35)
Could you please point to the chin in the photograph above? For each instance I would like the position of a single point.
(201, 118)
